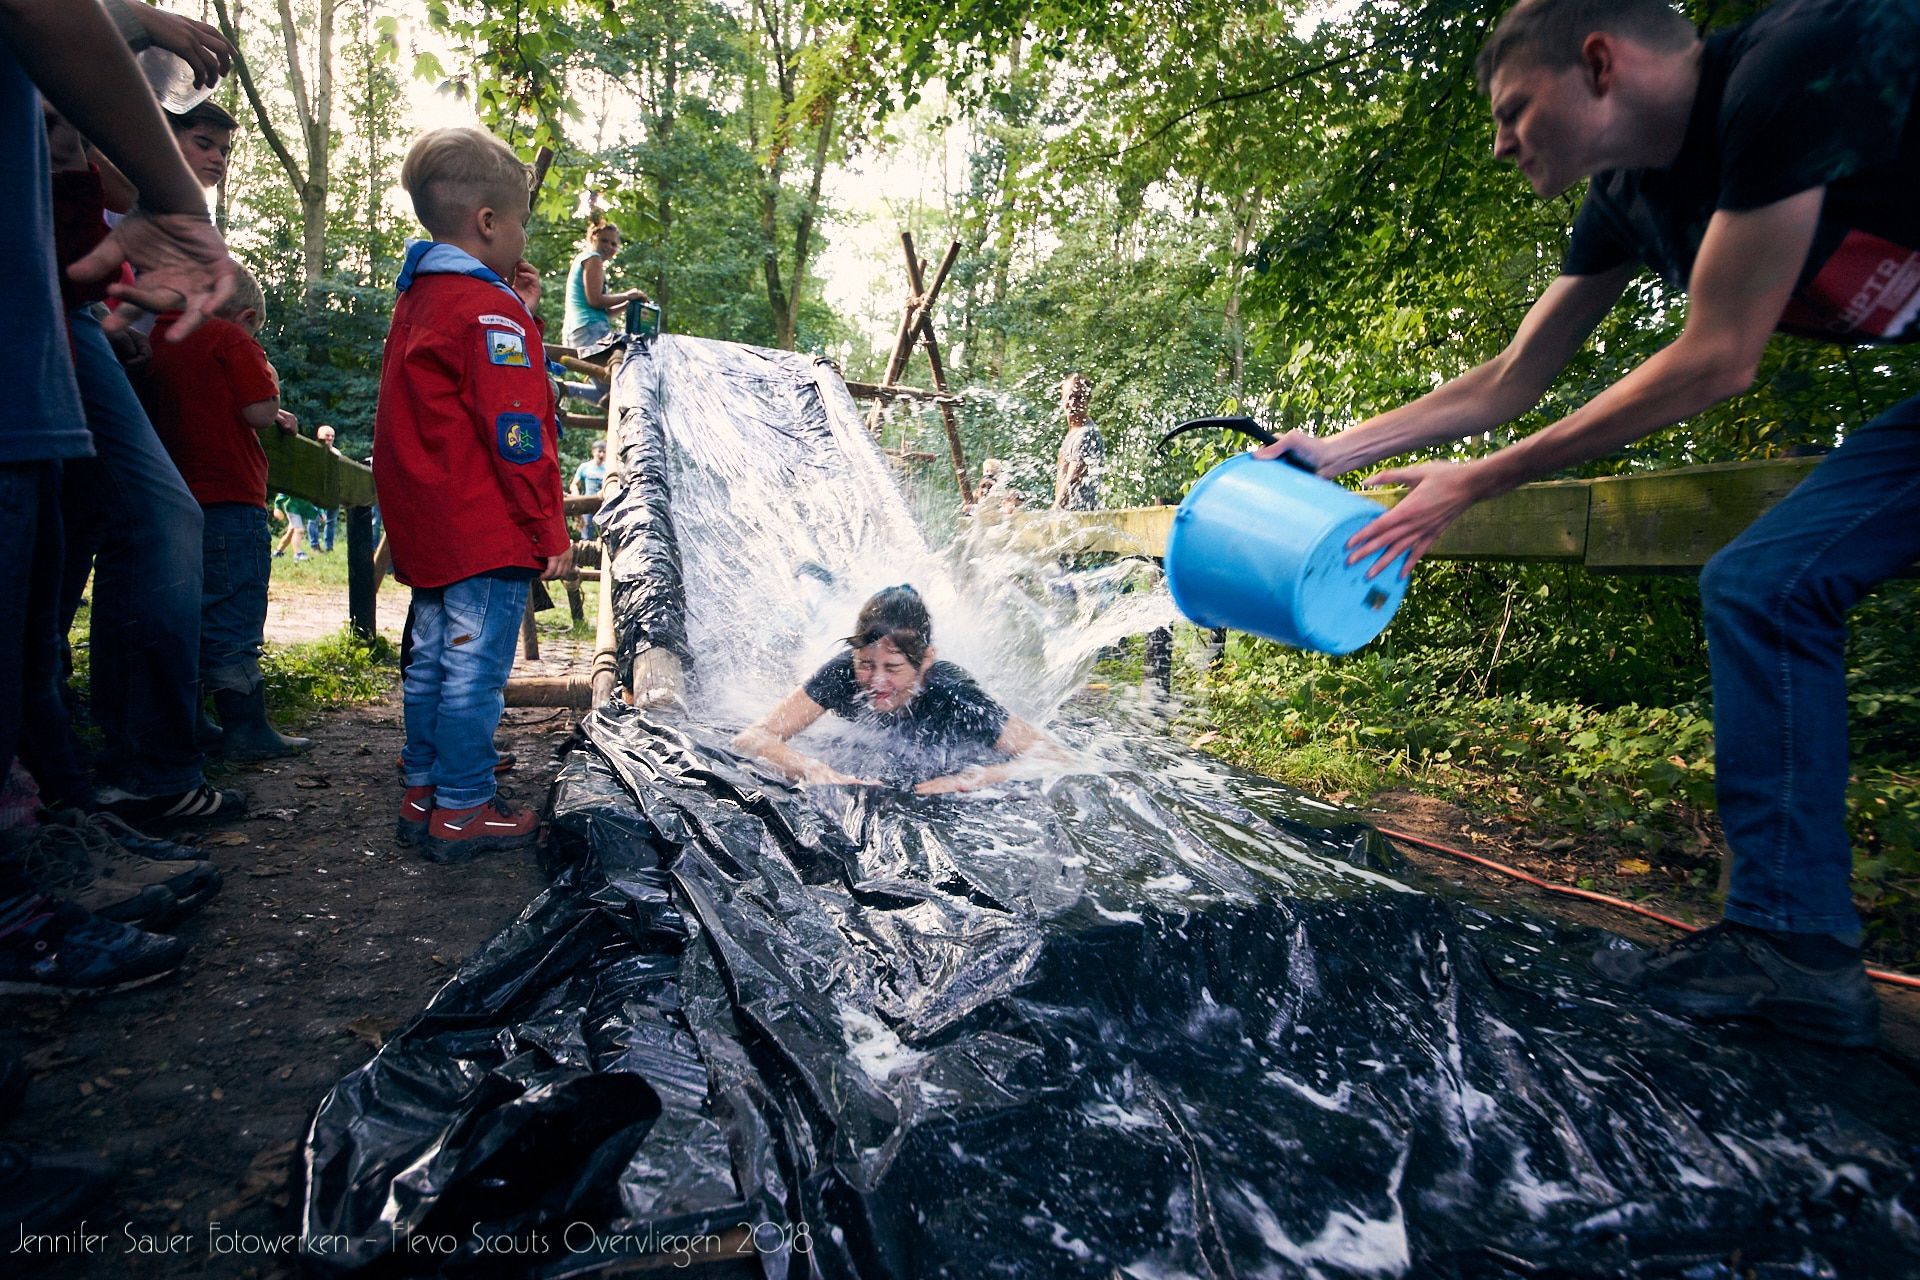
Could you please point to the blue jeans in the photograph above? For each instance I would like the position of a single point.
(321, 529)
(33, 715)
(233, 598)
(1776, 600)
(130, 515)
(452, 688)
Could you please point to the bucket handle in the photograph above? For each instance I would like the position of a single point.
(1245, 426)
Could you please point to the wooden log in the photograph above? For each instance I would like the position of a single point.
(576, 600)
(932, 344)
(604, 674)
(529, 632)
(574, 364)
(363, 586)
(308, 469)
(876, 391)
(583, 422)
(582, 504)
(1675, 520)
(549, 691)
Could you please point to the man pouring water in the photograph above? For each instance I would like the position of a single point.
(1772, 170)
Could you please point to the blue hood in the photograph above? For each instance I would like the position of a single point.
(434, 258)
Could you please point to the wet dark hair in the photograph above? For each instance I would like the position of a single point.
(209, 113)
(897, 614)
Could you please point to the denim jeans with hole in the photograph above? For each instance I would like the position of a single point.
(233, 597)
(452, 688)
(1776, 600)
(130, 515)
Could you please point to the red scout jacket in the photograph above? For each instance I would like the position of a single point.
(465, 442)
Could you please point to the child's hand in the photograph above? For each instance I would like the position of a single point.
(288, 424)
(526, 283)
(558, 566)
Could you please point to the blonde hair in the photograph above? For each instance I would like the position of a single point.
(452, 172)
(246, 293)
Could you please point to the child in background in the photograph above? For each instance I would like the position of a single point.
(468, 479)
(210, 395)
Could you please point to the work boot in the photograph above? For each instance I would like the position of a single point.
(58, 948)
(57, 863)
(416, 810)
(1733, 971)
(191, 882)
(140, 842)
(454, 835)
(244, 727)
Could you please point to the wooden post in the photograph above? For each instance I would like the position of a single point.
(529, 631)
(922, 320)
(363, 587)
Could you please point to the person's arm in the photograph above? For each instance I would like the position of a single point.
(1019, 741)
(1485, 396)
(1744, 274)
(593, 284)
(262, 414)
(767, 740)
(80, 63)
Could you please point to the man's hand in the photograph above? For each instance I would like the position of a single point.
(1437, 492)
(965, 780)
(182, 263)
(635, 295)
(526, 283)
(198, 45)
(558, 566)
(1316, 451)
(288, 424)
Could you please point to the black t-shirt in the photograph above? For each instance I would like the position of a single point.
(951, 709)
(1810, 93)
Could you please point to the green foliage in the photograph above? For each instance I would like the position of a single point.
(342, 670)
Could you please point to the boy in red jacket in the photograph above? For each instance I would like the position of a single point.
(468, 479)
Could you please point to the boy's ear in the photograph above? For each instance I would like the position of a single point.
(247, 318)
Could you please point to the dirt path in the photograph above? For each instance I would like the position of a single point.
(324, 940)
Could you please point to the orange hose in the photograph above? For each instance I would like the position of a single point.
(1605, 900)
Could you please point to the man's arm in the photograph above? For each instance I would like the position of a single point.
(1483, 397)
(73, 53)
(1744, 274)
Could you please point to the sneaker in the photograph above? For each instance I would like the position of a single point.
(44, 1195)
(191, 883)
(299, 555)
(60, 949)
(204, 803)
(57, 863)
(1732, 971)
(416, 810)
(454, 835)
(141, 843)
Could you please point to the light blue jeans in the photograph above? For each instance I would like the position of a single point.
(453, 688)
(1776, 600)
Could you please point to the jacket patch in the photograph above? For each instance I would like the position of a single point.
(519, 437)
(506, 348)
(504, 322)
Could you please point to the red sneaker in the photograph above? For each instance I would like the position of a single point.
(416, 810)
(454, 835)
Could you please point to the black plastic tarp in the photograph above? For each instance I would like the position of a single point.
(1156, 1018)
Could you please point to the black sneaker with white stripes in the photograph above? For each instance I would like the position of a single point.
(204, 803)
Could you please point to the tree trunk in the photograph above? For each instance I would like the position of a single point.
(1246, 216)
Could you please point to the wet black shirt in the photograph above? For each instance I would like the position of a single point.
(1809, 93)
(950, 710)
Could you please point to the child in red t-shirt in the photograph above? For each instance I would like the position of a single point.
(210, 395)
(465, 466)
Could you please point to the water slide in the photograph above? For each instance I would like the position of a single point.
(1149, 1016)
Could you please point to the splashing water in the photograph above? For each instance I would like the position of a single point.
(788, 517)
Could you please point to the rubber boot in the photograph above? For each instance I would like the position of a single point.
(248, 736)
(207, 735)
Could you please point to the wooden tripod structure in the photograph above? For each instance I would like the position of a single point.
(916, 329)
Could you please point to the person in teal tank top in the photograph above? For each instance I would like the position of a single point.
(590, 307)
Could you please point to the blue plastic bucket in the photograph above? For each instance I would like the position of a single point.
(1261, 546)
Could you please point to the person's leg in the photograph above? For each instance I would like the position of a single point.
(420, 684)
(1776, 600)
(46, 743)
(146, 614)
(232, 624)
(482, 620)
